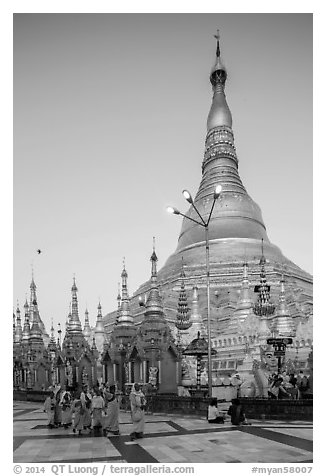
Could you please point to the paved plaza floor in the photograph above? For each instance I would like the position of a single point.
(168, 439)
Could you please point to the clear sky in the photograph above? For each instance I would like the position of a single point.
(109, 126)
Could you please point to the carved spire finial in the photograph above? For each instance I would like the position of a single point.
(124, 316)
(217, 36)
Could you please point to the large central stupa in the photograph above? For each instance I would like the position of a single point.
(236, 232)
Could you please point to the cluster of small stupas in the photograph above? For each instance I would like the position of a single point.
(145, 353)
(256, 293)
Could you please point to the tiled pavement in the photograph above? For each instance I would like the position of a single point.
(168, 439)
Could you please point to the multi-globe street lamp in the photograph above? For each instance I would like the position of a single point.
(204, 224)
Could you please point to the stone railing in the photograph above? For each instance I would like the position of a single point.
(258, 408)
(175, 404)
(264, 408)
(30, 395)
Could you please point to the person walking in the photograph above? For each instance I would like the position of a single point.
(137, 405)
(79, 412)
(97, 407)
(111, 420)
(49, 405)
(86, 401)
(66, 413)
(57, 408)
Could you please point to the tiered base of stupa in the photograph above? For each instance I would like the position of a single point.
(227, 257)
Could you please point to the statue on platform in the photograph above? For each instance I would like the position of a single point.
(248, 388)
(258, 383)
(268, 360)
(69, 374)
(84, 377)
(185, 374)
(152, 379)
(192, 366)
(204, 377)
(29, 379)
(17, 377)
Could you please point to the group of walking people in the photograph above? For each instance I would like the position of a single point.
(84, 409)
(95, 410)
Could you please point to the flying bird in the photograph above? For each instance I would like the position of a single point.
(39, 252)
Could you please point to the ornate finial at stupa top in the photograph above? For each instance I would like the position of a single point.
(154, 256)
(124, 273)
(219, 114)
(154, 260)
(217, 36)
(154, 300)
(218, 74)
(32, 286)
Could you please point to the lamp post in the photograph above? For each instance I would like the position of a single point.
(204, 224)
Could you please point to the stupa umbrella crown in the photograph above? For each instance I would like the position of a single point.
(183, 322)
(263, 306)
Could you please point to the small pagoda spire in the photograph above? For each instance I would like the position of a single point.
(94, 348)
(87, 328)
(182, 321)
(68, 319)
(125, 316)
(154, 263)
(99, 333)
(154, 302)
(19, 330)
(36, 332)
(283, 323)
(32, 298)
(34, 313)
(74, 322)
(52, 347)
(244, 304)
(99, 326)
(119, 304)
(196, 320)
(26, 329)
(195, 314)
(263, 306)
